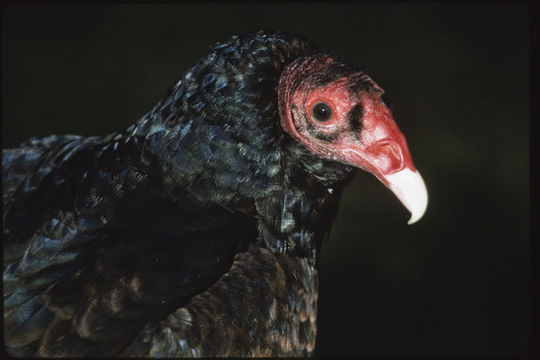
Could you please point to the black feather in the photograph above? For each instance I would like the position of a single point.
(193, 232)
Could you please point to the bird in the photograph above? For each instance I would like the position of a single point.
(196, 231)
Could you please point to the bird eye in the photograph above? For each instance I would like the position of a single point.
(321, 111)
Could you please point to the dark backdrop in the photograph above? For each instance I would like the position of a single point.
(457, 282)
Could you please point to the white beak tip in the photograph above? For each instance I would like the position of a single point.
(410, 189)
(414, 218)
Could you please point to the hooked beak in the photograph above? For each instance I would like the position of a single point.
(382, 150)
(410, 189)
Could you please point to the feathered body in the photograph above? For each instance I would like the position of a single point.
(195, 232)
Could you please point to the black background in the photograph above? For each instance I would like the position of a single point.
(455, 283)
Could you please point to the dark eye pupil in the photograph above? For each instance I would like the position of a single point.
(322, 112)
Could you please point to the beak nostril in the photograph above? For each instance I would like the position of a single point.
(391, 150)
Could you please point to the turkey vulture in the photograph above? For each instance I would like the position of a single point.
(195, 232)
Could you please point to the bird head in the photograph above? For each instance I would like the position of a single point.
(337, 113)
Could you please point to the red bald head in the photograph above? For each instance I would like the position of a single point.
(337, 113)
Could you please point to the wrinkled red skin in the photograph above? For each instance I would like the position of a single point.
(379, 147)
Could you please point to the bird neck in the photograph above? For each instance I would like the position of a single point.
(292, 194)
(217, 136)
